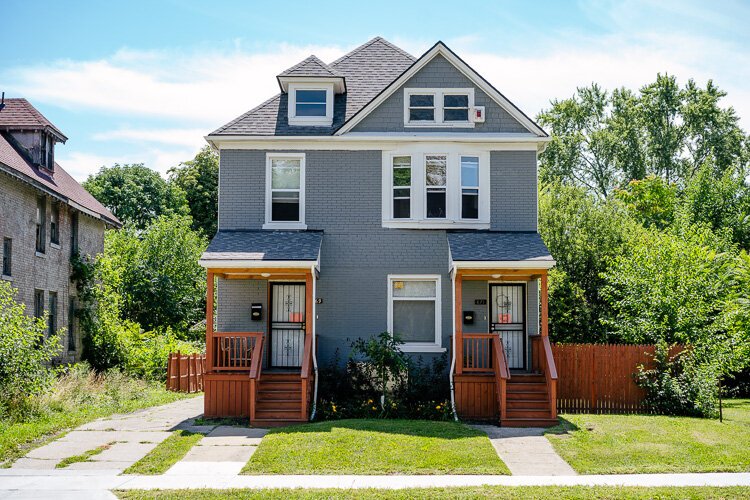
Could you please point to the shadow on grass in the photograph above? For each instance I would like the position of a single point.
(420, 428)
(564, 427)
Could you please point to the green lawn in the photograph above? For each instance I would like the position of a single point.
(166, 454)
(376, 447)
(76, 399)
(629, 444)
(495, 492)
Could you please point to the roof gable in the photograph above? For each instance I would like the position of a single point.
(312, 66)
(19, 114)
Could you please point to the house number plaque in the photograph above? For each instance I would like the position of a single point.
(480, 302)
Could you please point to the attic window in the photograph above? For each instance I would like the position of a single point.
(438, 107)
(311, 104)
(47, 153)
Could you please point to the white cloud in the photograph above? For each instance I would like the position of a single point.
(82, 164)
(192, 137)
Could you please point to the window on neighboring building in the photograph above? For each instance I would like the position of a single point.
(285, 191)
(310, 102)
(469, 187)
(414, 311)
(74, 233)
(435, 184)
(52, 318)
(7, 257)
(54, 223)
(401, 187)
(422, 107)
(38, 303)
(72, 324)
(41, 224)
(438, 107)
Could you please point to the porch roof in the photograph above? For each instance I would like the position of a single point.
(500, 248)
(233, 248)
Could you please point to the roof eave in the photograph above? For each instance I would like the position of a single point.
(339, 82)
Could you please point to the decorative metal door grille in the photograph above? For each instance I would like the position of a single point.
(508, 319)
(287, 324)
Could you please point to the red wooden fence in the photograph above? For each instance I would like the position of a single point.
(600, 378)
(185, 372)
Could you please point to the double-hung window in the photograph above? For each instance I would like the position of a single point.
(469, 187)
(310, 102)
(455, 108)
(438, 107)
(52, 319)
(41, 224)
(414, 311)
(71, 324)
(54, 224)
(7, 257)
(402, 187)
(422, 108)
(435, 185)
(38, 304)
(285, 191)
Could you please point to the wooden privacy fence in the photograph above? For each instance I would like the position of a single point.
(185, 372)
(600, 378)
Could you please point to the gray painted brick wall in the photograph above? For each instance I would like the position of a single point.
(514, 191)
(438, 73)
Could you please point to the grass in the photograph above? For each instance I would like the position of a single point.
(495, 492)
(83, 457)
(230, 421)
(77, 398)
(629, 444)
(166, 454)
(376, 447)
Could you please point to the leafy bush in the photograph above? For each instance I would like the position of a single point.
(25, 354)
(147, 353)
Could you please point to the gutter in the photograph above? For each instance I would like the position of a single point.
(314, 343)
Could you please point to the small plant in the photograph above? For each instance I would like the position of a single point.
(389, 364)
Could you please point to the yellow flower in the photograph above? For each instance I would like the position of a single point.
(369, 401)
(437, 407)
(374, 408)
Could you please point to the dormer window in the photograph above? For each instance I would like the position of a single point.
(438, 107)
(47, 152)
(311, 104)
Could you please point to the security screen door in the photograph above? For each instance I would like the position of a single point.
(508, 319)
(287, 324)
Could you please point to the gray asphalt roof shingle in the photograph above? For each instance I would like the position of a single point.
(497, 246)
(312, 66)
(264, 245)
(368, 69)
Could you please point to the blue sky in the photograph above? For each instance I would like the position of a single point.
(144, 81)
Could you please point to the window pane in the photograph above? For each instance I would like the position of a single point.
(285, 174)
(421, 115)
(456, 115)
(421, 100)
(414, 321)
(284, 206)
(311, 109)
(470, 171)
(456, 101)
(316, 96)
(402, 208)
(435, 170)
(402, 177)
(409, 288)
(401, 193)
(436, 204)
(470, 204)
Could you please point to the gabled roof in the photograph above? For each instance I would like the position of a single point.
(368, 69)
(263, 246)
(19, 114)
(62, 185)
(498, 246)
(312, 66)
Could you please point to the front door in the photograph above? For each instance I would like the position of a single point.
(287, 324)
(508, 306)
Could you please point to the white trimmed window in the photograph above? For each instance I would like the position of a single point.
(470, 187)
(401, 187)
(436, 184)
(414, 311)
(310, 104)
(285, 191)
(438, 107)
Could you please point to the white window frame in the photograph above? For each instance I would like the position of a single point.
(438, 95)
(461, 188)
(313, 121)
(418, 346)
(444, 187)
(418, 153)
(410, 187)
(300, 224)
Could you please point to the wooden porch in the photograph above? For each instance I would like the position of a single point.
(236, 383)
(485, 387)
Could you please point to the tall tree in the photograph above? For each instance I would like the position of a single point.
(136, 194)
(199, 179)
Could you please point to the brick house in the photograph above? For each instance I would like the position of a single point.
(380, 192)
(45, 218)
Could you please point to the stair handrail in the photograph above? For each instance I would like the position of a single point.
(502, 373)
(256, 366)
(305, 374)
(550, 373)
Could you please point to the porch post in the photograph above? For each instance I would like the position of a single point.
(544, 304)
(210, 320)
(459, 316)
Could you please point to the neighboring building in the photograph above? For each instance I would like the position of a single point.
(45, 218)
(380, 192)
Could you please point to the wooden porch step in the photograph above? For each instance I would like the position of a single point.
(276, 414)
(269, 394)
(533, 413)
(526, 386)
(278, 404)
(525, 395)
(280, 376)
(276, 422)
(527, 377)
(272, 385)
(532, 404)
(528, 422)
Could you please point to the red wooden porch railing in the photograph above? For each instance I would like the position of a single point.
(544, 362)
(256, 366)
(233, 351)
(502, 373)
(477, 352)
(306, 374)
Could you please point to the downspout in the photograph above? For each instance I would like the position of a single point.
(453, 350)
(314, 341)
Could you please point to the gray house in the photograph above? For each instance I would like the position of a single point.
(379, 192)
(46, 217)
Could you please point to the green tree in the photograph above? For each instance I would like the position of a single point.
(651, 201)
(199, 179)
(136, 194)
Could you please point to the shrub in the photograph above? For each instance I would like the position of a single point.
(25, 354)
(146, 353)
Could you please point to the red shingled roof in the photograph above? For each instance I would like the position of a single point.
(19, 114)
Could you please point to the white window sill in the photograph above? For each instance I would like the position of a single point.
(434, 224)
(318, 122)
(40, 254)
(6, 277)
(430, 348)
(439, 125)
(285, 225)
(55, 246)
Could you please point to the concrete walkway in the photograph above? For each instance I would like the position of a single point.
(526, 451)
(224, 451)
